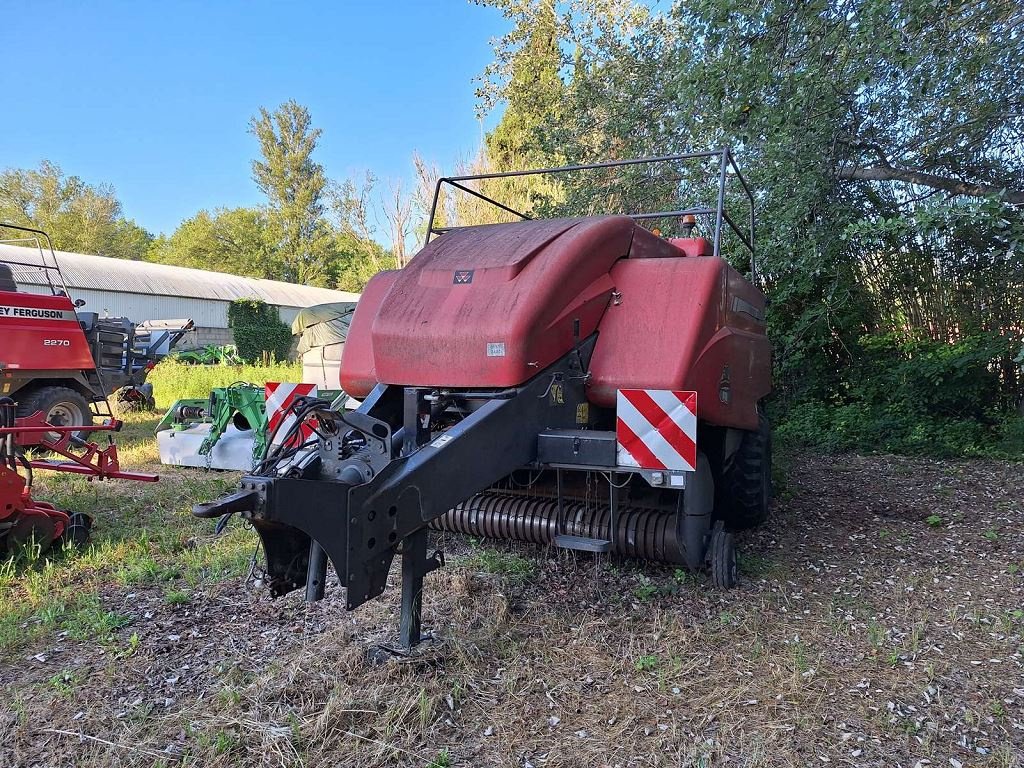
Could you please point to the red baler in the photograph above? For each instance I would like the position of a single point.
(582, 382)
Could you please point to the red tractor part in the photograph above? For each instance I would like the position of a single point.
(24, 519)
(584, 383)
(534, 287)
(63, 361)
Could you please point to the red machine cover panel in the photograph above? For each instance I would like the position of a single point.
(486, 306)
(41, 333)
(492, 306)
(691, 323)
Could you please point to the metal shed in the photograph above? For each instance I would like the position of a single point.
(141, 290)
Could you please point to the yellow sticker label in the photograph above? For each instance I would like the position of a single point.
(583, 413)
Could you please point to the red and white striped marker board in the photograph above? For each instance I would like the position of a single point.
(279, 396)
(656, 429)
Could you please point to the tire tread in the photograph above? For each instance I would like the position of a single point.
(41, 399)
(745, 505)
(722, 554)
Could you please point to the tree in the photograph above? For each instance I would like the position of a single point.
(528, 80)
(360, 257)
(427, 175)
(291, 238)
(884, 143)
(236, 240)
(294, 184)
(79, 217)
(869, 117)
(397, 209)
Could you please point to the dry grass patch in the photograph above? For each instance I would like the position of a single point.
(860, 635)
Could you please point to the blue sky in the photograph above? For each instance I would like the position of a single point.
(154, 97)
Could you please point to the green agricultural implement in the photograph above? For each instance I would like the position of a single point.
(211, 354)
(228, 430)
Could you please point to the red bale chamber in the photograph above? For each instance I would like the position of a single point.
(491, 306)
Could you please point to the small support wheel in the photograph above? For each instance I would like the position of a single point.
(77, 533)
(722, 559)
(139, 398)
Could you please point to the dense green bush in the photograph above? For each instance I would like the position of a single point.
(891, 428)
(919, 396)
(259, 333)
(1011, 437)
(944, 380)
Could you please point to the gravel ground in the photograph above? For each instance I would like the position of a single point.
(879, 622)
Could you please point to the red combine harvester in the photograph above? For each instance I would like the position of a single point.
(50, 389)
(584, 383)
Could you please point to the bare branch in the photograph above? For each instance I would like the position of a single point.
(396, 208)
(956, 186)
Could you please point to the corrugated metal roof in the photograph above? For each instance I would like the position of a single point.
(102, 273)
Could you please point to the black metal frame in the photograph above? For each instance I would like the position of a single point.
(131, 370)
(46, 268)
(364, 503)
(719, 212)
(365, 509)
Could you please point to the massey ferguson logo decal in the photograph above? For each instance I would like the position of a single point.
(463, 277)
(39, 314)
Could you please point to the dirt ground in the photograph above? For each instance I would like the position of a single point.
(879, 622)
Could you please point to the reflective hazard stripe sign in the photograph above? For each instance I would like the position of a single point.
(279, 420)
(656, 429)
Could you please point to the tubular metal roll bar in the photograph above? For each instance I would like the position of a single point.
(719, 212)
(42, 265)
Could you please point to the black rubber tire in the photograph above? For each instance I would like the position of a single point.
(722, 559)
(63, 400)
(747, 482)
(76, 535)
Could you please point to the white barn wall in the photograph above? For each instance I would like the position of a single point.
(138, 307)
(209, 315)
(143, 290)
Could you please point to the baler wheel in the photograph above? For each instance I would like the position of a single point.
(747, 484)
(722, 557)
(61, 406)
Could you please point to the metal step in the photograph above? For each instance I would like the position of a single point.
(582, 543)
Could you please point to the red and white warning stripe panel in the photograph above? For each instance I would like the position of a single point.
(656, 429)
(279, 396)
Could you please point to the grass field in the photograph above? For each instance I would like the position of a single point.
(175, 381)
(142, 536)
(879, 622)
(131, 544)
